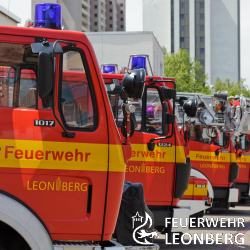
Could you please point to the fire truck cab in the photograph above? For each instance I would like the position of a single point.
(212, 154)
(62, 162)
(239, 113)
(159, 154)
(243, 160)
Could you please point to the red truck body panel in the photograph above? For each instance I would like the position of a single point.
(73, 186)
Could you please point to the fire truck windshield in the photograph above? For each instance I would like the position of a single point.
(18, 70)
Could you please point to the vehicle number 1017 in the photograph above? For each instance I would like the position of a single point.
(46, 123)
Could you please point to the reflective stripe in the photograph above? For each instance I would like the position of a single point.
(160, 154)
(60, 155)
(209, 156)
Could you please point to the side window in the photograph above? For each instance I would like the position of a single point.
(243, 143)
(27, 94)
(76, 100)
(116, 104)
(18, 85)
(153, 111)
(233, 141)
(219, 140)
(200, 134)
(6, 86)
(196, 133)
(205, 136)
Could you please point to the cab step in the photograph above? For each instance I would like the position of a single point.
(76, 245)
(84, 245)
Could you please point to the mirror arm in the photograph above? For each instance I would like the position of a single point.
(60, 41)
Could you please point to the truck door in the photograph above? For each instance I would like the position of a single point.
(154, 169)
(203, 158)
(63, 180)
(242, 159)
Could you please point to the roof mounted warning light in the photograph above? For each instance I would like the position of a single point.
(139, 61)
(109, 68)
(48, 15)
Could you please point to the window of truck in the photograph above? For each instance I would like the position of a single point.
(219, 140)
(76, 95)
(116, 104)
(153, 111)
(151, 106)
(242, 142)
(197, 133)
(18, 82)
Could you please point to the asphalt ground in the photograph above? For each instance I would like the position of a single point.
(241, 211)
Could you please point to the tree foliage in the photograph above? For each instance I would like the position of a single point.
(233, 89)
(188, 73)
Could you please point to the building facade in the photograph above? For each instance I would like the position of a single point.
(7, 18)
(209, 30)
(116, 48)
(90, 15)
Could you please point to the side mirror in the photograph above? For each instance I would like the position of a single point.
(45, 75)
(226, 139)
(166, 118)
(133, 83)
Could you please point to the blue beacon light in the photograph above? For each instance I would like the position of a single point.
(48, 15)
(138, 62)
(109, 69)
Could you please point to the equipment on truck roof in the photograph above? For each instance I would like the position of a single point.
(227, 113)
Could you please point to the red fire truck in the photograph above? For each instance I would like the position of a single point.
(243, 160)
(239, 113)
(162, 167)
(211, 151)
(62, 158)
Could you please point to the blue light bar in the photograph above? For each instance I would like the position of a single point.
(48, 15)
(108, 69)
(138, 62)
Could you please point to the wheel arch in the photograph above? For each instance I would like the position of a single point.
(198, 174)
(23, 221)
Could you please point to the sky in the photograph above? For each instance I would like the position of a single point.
(22, 8)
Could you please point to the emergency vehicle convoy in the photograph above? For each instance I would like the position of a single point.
(62, 158)
(159, 153)
(210, 122)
